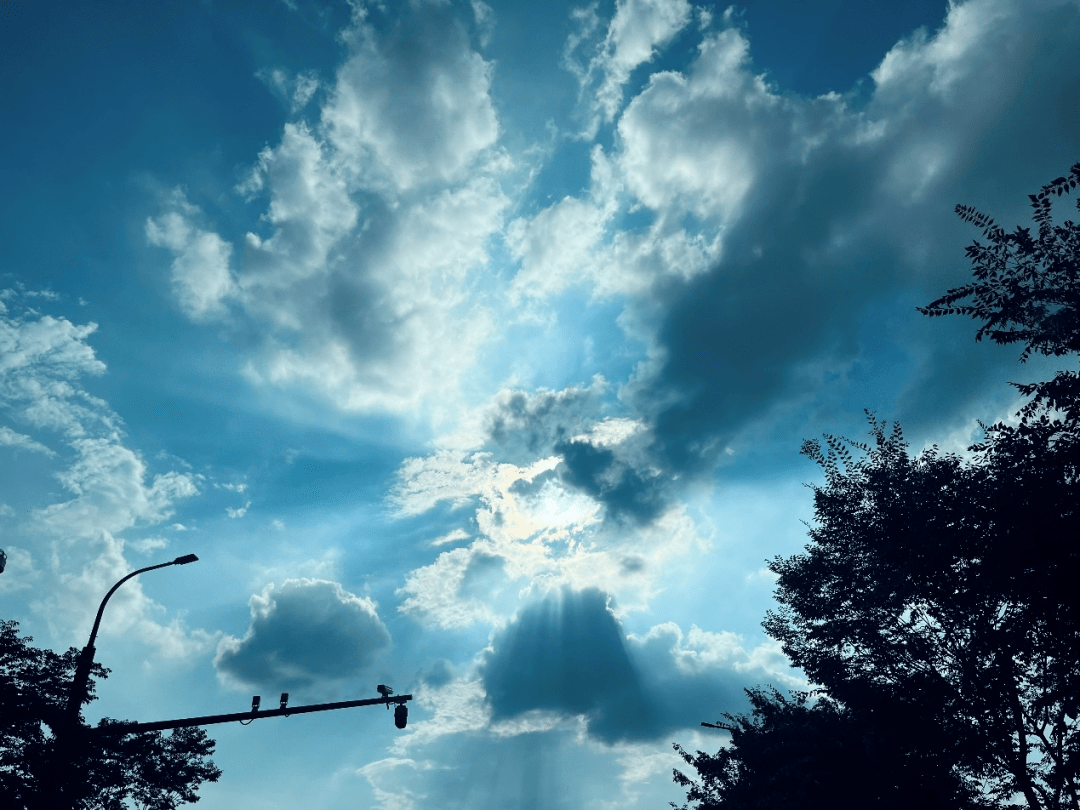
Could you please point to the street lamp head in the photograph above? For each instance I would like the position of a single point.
(187, 558)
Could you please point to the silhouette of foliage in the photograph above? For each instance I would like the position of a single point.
(1027, 290)
(154, 771)
(939, 590)
(935, 603)
(791, 754)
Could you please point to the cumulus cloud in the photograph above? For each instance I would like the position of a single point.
(413, 107)
(376, 227)
(772, 221)
(306, 634)
(201, 277)
(567, 653)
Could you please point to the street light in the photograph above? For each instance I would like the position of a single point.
(86, 657)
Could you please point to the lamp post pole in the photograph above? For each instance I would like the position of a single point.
(86, 657)
(64, 789)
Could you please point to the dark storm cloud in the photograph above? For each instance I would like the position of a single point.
(304, 634)
(567, 653)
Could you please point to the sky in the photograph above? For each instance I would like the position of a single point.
(471, 347)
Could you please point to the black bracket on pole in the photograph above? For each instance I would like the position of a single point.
(113, 727)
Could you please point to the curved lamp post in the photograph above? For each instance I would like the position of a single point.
(86, 657)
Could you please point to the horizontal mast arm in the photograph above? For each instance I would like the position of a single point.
(162, 725)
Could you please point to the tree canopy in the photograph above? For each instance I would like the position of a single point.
(1027, 290)
(155, 771)
(793, 753)
(938, 590)
(934, 604)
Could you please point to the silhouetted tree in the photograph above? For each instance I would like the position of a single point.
(154, 771)
(935, 604)
(1027, 290)
(793, 754)
(939, 591)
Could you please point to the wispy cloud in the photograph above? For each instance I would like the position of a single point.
(76, 543)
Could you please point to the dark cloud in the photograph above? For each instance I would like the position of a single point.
(568, 653)
(524, 425)
(825, 233)
(626, 492)
(438, 674)
(304, 634)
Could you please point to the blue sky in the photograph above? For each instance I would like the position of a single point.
(471, 347)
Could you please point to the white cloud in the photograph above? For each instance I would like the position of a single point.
(78, 542)
(295, 90)
(237, 512)
(41, 359)
(9, 438)
(443, 476)
(310, 211)
(377, 225)
(19, 572)
(450, 537)
(556, 247)
(147, 544)
(201, 277)
(953, 55)
(376, 773)
(693, 142)
(111, 493)
(636, 31)
(413, 108)
(434, 592)
(457, 707)
(582, 506)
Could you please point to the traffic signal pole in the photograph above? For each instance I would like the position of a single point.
(255, 714)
